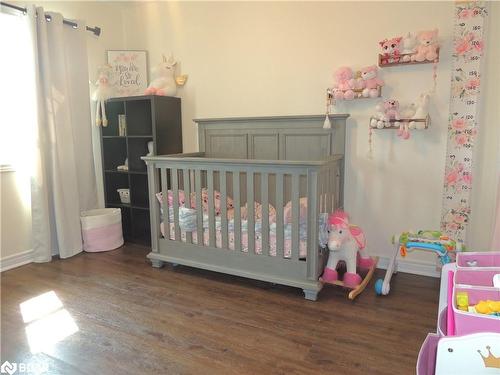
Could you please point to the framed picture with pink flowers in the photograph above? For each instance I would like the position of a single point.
(130, 71)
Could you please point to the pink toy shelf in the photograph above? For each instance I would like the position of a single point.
(466, 322)
(476, 277)
(473, 275)
(478, 260)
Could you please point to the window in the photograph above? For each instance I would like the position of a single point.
(17, 92)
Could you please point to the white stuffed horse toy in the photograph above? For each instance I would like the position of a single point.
(103, 91)
(344, 242)
(165, 83)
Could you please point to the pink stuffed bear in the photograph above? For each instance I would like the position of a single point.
(391, 50)
(391, 110)
(427, 46)
(371, 81)
(344, 84)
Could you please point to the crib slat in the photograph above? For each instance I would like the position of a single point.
(264, 180)
(323, 193)
(199, 208)
(187, 194)
(237, 210)
(330, 200)
(211, 209)
(154, 213)
(223, 199)
(280, 246)
(250, 214)
(295, 216)
(174, 177)
(312, 226)
(164, 203)
(340, 183)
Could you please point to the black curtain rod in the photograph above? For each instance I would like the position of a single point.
(95, 30)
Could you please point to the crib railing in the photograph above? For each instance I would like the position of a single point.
(246, 181)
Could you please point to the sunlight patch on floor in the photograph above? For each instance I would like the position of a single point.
(49, 322)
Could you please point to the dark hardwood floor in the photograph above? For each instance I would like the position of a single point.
(134, 319)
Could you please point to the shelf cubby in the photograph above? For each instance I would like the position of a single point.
(112, 111)
(137, 147)
(114, 182)
(141, 229)
(139, 117)
(114, 152)
(139, 190)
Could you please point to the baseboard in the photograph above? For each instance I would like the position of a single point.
(404, 265)
(16, 260)
(412, 266)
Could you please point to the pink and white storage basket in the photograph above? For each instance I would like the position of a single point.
(101, 229)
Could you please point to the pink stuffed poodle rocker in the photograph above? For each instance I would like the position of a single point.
(345, 242)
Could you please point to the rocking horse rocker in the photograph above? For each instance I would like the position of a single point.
(346, 242)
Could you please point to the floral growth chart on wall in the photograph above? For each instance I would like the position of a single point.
(462, 128)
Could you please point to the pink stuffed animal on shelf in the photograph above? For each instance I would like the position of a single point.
(391, 110)
(427, 46)
(372, 82)
(391, 50)
(344, 84)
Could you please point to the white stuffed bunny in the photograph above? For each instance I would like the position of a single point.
(421, 112)
(165, 83)
(409, 46)
(102, 92)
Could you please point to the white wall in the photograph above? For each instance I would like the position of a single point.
(249, 59)
(15, 215)
(15, 203)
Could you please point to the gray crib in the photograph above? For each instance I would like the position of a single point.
(269, 160)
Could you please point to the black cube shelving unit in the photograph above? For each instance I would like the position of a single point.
(148, 118)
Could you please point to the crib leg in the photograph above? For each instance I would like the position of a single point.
(311, 295)
(157, 263)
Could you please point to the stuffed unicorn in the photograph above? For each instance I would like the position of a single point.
(345, 241)
(165, 83)
(102, 92)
